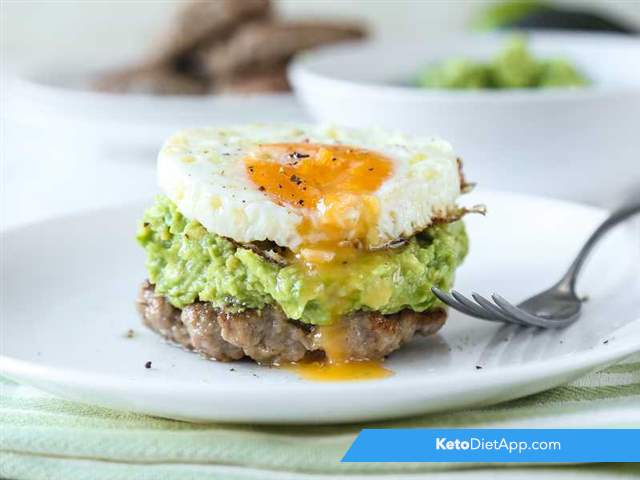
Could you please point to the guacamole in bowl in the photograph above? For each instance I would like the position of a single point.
(514, 66)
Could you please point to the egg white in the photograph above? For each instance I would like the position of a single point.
(203, 172)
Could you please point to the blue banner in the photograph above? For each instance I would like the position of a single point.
(495, 445)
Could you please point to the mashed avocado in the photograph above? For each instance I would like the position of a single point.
(186, 263)
(513, 67)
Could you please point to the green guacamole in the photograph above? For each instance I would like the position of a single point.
(513, 67)
(186, 263)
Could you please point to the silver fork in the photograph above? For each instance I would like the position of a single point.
(556, 307)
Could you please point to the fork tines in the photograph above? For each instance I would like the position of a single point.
(500, 310)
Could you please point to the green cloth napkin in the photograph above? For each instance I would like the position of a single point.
(46, 438)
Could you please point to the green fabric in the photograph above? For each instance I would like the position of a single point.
(44, 437)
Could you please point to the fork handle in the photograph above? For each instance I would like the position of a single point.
(569, 279)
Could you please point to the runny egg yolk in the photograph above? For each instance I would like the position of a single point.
(340, 372)
(331, 185)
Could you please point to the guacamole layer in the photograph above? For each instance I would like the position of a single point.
(513, 67)
(186, 263)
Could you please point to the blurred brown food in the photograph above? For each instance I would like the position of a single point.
(225, 46)
(205, 22)
(150, 79)
(265, 82)
(260, 46)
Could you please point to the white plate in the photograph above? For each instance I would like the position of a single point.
(52, 106)
(51, 99)
(68, 298)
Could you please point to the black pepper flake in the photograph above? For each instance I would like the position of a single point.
(279, 185)
(334, 159)
(251, 168)
(295, 179)
(130, 333)
(148, 364)
(478, 367)
(300, 202)
(145, 224)
(262, 189)
(371, 169)
(298, 155)
(605, 342)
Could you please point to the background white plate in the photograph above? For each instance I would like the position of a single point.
(68, 294)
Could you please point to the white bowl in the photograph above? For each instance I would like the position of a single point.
(57, 97)
(581, 143)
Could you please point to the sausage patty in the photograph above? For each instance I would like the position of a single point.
(269, 337)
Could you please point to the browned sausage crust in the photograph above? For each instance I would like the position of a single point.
(269, 337)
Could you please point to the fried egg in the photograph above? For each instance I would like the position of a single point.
(308, 187)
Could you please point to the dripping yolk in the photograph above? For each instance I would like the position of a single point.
(333, 187)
